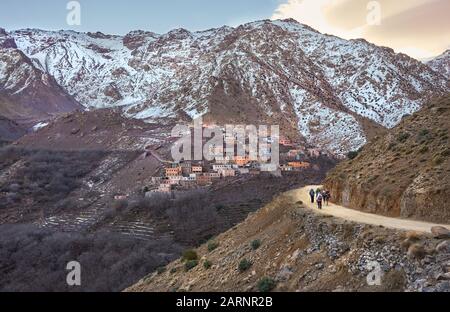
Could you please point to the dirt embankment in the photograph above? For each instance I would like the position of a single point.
(284, 247)
(404, 173)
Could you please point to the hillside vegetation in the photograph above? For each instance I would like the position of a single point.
(404, 173)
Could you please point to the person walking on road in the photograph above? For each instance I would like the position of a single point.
(327, 197)
(319, 201)
(312, 194)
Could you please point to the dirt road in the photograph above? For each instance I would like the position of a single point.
(361, 217)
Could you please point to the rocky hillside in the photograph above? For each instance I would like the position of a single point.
(331, 91)
(441, 64)
(404, 173)
(284, 247)
(9, 130)
(102, 129)
(28, 95)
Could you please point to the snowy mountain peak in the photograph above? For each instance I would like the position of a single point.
(441, 64)
(6, 42)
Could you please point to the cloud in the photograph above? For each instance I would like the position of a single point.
(419, 28)
(310, 12)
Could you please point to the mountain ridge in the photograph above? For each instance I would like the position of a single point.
(27, 94)
(282, 72)
(441, 63)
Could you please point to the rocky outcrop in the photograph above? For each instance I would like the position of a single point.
(6, 42)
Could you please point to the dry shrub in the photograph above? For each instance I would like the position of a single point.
(417, 251)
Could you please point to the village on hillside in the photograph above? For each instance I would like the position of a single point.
(189, 175)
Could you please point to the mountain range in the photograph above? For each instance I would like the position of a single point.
(334, 93)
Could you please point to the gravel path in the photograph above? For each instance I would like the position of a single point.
(362, 217)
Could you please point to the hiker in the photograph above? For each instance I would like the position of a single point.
(327, 197)
(319, 200)
(313, 195)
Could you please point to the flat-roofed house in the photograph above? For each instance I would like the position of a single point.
(244, 170)
(197, 169)
(170, 172)
(203, 180)
(285, 141)
(156, 180)
(223, 160)
(212, 175)
(163, 188)
(314, 152)
(215, 151)
(186, 168)
(299, 164)
(228, 173)
(241, 161)
(293, 153)
(269, 167)
(218, 167)
(188, 184)
(176, 178)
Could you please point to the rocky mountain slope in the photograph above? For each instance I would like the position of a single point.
(284, 247)
(28, 95)
(323, 88)
(441, 64)
(404, 173)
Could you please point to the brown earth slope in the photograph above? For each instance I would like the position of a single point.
(304, 251)
(404, 173)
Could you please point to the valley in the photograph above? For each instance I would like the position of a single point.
(87, 171)
(85, 176)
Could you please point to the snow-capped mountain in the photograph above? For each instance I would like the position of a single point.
(441, 64)
(28, 94)
(269, 72)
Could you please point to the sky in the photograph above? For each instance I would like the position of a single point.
(419, 28)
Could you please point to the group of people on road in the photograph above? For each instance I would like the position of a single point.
(320, 196)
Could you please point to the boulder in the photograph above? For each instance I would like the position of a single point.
(443, 247)
(443, 277)
(284, 274)
(440, 232)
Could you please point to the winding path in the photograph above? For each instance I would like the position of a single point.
(362, 217)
